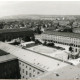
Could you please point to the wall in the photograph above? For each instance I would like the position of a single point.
(9, 70)
(61, 40)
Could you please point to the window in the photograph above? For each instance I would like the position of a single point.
(33, 75)
(23, 64)
(23, 76)
(38, 72)
(23, 70)
(33, 70)
(29, 68)
(76, 50)
(26, 72)
(30, 75)
(26, 66)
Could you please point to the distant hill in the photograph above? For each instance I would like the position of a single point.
(41, 17)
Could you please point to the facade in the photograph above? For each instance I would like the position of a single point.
(70, 39)
(29, 71)
(9, 67)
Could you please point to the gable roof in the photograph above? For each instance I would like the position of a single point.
(65, 34)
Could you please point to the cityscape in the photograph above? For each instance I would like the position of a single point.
(39, 46)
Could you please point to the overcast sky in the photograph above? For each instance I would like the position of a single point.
(39, 7)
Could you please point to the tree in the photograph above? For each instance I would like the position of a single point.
(51, 44)
(1, 25)
(37, 41)
(70, 49)
(44, 43)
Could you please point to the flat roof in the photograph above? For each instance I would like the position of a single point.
(6, 58)
(43, 49)
(65, 73)
(26, 43)
(61, 54)
(65, 34)
(37, 59)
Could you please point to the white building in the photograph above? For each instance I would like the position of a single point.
(33, 64)
(62, 38)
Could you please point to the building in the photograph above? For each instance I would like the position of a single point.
(31, 63)
(64, 38)
(9, 67)
(22, 33)
(27, 44)
(63, 23)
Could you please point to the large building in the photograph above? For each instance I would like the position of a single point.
(33, 64)
(65, 38)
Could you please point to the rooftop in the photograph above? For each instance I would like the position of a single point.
(65, 34)
(6, 58)
(36, 59)
(27, 43)
(50, 51)
(66, 73)
(3, 53)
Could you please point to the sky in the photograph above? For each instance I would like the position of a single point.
(8, 8)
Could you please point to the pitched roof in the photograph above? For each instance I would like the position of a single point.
(65, 34)
(34, 58)
(66, 73)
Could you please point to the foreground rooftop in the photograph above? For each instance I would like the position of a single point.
(65, 73)
(38, 60)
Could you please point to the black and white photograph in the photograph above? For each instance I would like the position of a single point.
(40, 39)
